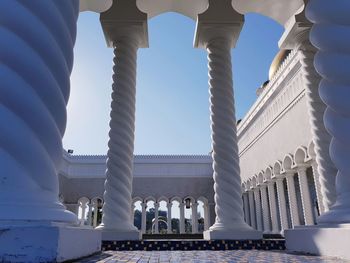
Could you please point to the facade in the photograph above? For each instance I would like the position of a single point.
(280, 181)
(292, 145)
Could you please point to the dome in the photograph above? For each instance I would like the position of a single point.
(277, 61)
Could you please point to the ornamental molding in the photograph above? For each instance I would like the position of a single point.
(284, 91)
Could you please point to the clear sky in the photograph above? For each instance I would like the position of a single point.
(172, 110)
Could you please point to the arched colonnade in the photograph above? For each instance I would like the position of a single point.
(285, 194)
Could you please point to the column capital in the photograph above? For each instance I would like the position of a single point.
(220, 20)
(144, 205)
(124, 20)
(290, 173)
(301, 168)
(296, 33)
(156, 205)
(169, 205)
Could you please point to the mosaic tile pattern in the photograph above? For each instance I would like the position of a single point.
(228, 256)
(161, 245)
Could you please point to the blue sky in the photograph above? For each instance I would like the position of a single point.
(172, 110)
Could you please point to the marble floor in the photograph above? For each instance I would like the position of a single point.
(205, 257)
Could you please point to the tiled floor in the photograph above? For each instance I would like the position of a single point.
(205, 257)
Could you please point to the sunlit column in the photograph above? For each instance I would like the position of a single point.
(169, 229)
(282, 204)
(265, 208)
(317, 187)
(36, 60)
(305, 196)
(258, 209)
(156, 218)
(292, 196)
(273, 206)
(206, 216)
(89, 222)
(246, 208)
(182, 217)
(126, 32)
(194, 206)
(252, 215)
(330, 35)
(143, 217)
(218, 29)
(132, 213)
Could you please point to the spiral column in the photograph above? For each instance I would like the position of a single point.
(169, 226)
(251, 211)
(321, 137)
(305, 196)
(246, 208)
(330, 35)
(292, 197)
(282, 204)
(118, 185)
(258, 210)
(273, 207)
(36, 51)
(265, 209)
(227, 181)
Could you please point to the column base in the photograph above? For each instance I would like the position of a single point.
(324, 240)
(119, 235)
(232, 234)
(48, 243)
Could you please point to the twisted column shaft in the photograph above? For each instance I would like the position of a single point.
(282, 204)
(330, 35)
(143, 217)
(118, 185)
(246, 208)
(156, 218)
(169, 229)
(227, 181)
(194, 218)
(305, 196)
(265, 209)
(273, 207)
(293, 202)
(182, 218)
(258, 210)
(318, 187)
(321, 137)
(36, 51)
(252, 209)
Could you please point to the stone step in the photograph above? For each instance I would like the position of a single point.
(155, 245)
(171, 236)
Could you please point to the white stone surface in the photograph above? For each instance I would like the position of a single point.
(320, 240)
(97, 6)
(47, 243)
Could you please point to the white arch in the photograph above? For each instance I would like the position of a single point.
(300, 155)
(136, 199)
(288, 162)
(268, 174)
(260, 178)
(150, 198)
(176, 198)
(279, 10)
(187, 8)
(163, 198)
(311, 150)
(97, 6)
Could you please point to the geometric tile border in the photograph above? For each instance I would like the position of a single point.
(161, 245)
